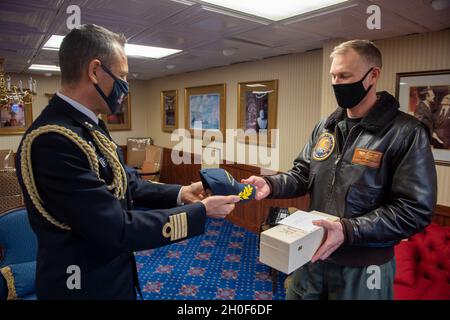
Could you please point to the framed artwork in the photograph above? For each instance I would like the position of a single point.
(426, 95)
(169, 110)
(121, 120)
(205, 108)
(257, 109)
(16, 116)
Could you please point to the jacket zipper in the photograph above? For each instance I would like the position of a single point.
(337, 162)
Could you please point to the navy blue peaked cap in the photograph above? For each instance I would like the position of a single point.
(220, 182)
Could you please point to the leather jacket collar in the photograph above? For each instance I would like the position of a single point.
(384, 111)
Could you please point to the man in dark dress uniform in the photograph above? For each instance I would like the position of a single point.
(80, 195)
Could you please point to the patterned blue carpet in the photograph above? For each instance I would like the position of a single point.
(221, 264)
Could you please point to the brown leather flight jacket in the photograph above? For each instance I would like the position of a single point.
(380, 180)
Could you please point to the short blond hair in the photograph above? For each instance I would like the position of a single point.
(365, 48)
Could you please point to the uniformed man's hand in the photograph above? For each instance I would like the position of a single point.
(335, 237)
(193, 193)
(262, 187)
(219, 206)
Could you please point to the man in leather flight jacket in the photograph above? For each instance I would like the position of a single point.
(371, 165)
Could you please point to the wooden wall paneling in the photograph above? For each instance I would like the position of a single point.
(251, 214)
(442, 215)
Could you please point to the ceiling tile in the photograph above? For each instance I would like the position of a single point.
(201, 34)
(418, 11)
(350, 23)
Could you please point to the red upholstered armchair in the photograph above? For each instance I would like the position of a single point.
(423, 265)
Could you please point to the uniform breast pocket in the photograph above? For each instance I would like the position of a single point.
(362, 199)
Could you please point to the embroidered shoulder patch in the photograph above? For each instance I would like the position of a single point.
(324, 147)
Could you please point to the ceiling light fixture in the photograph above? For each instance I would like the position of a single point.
(44, 67)
(131, 50)
(440, 4)
(134, 50)
(229, 51)
(274, 10)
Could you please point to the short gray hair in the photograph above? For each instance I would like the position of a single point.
(365, 48)
(83, 44)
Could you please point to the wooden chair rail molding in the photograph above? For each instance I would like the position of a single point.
(442, 215)
(249, 215)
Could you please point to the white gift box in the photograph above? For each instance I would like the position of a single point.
(289, 245)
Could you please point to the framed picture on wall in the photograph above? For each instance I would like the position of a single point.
(205, 109)
(257, 109)
(169, 110)
(16, 116)
(426, 95)
(121, 120)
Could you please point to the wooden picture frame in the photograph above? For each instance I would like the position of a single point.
(206, 105)
(424, 95)
(169, 110)
(120, 121)
(16, 118)
(257, 110)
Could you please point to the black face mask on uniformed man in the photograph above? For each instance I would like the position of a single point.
(119, 91)
(349, 95)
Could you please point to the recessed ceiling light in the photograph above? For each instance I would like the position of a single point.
(274, 10)
(440, 4)
(44, 67)
(229, 51)
(170, 66)
(132, 50)
(53, 43)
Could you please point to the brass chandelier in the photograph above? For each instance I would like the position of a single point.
(14, 94)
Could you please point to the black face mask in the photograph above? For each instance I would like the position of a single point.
(118, 93)
(349, 95)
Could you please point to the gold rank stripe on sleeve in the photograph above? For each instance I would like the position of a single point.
(184, 226)
(177, 225)
(178, 218)
(174, 223)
